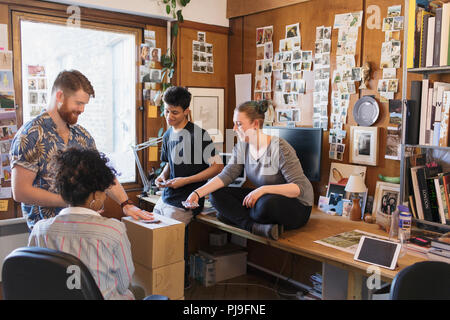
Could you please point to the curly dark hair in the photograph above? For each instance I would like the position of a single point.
(79, 172)
(177, 96)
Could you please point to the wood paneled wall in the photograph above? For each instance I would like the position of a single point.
(310, 15)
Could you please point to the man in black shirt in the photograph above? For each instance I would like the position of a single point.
(191, 160)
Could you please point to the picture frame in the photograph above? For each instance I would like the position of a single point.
(364, 145)
(207, 111)
(387, 197)
(341, 172)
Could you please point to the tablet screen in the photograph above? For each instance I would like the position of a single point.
(377, 252)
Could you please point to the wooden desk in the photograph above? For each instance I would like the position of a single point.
(301, 242)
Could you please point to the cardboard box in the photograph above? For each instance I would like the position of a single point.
(229, 265)
(167, 280)
(218, 238)
(154, 245)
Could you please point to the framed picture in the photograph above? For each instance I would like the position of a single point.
(387, 196)
(207, 111)
(341, 172)
(364, 145)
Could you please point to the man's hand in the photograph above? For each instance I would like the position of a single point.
(252, 197)
(160, 181)
(136, 213)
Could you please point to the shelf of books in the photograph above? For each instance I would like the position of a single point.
(425, 163)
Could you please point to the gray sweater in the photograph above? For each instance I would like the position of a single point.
(278, 165)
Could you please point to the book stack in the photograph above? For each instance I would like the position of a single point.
(428, 34)
(427, 114)
(430, 193)
(440, 250)
(316, 280)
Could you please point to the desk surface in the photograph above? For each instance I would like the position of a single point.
(319, 226)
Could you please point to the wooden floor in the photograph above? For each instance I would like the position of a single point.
(252, 286)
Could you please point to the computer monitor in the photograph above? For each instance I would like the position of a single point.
(242, 177)
(307, 143)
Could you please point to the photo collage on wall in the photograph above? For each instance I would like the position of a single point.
(150, 75)
(321, 77)
(37, 89)
(290, 62)
(202, 55)
(149, 56)
(391, 53)
(264, 63)
(8, 121)
(344, 79)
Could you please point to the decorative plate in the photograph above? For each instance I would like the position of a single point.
(366, 111)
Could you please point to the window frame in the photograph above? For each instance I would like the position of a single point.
(19, 16)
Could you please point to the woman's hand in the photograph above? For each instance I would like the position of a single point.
(252, 197)
(191, 201)
(176, 183)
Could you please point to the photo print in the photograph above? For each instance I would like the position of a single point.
(292, 30)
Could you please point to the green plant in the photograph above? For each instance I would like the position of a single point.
(168, 60)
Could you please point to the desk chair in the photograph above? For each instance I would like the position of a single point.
(427, 280)
(34, 273)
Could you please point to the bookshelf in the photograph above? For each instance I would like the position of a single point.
(436, 152)
(425, 72)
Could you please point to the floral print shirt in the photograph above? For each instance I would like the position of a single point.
(34, 147)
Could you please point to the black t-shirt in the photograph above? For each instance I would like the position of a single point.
(187, 153)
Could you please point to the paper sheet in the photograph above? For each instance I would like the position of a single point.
(243, 83)
(4, 37)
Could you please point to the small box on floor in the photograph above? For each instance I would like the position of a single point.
(218, 238)
(228, 265)
(202, 269)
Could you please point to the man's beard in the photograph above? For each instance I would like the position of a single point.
(69, 117)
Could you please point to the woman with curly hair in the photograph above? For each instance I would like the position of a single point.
(283, 196)
(82, 177)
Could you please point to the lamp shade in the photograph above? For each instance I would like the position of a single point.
(355, 184)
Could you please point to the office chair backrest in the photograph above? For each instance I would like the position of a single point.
(33, 273)
(427, 280)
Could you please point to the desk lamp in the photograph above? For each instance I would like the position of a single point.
(150, 143)
(355, 185)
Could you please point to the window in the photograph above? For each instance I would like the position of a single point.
(107, 57)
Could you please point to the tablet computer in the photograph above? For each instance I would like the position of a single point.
(382, 253)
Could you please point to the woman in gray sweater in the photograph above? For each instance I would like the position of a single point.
(283, 195)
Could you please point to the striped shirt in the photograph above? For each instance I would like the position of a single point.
(100, 243)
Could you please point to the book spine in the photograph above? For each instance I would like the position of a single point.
(447, 193)
(436, 132)
(433, 201)
(413, 114)
(411, 29)
(437, 38)
(423, 98)
(417, 196)
(417, 37)
(424, 195)
(445, 24)
(430, 41)
(445, 114)
(423, 41)
(439, 200)
(443, 197)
